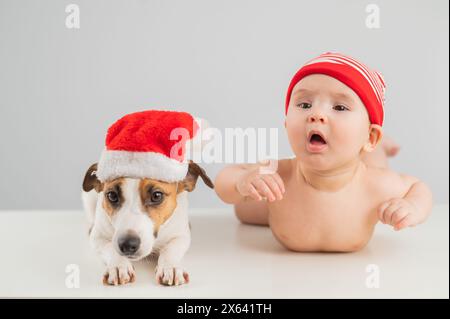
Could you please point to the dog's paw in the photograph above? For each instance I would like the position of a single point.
(171, 275)
(119, 275)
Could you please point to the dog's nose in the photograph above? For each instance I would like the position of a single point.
(128, 245)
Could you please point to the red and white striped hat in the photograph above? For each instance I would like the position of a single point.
(148, 144)
(367, 83)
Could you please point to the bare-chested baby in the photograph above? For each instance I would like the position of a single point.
(330, 196)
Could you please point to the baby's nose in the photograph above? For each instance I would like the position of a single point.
(317, 118)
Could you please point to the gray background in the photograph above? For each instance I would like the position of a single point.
(227, 61)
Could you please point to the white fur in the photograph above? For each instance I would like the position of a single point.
(171, 243)
(89, 200)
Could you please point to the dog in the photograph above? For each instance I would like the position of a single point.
(131, 218)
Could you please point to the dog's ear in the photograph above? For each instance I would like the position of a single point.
(91, 181)
(194, 171)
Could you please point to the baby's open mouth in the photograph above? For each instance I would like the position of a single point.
(316, 139)
(316, 142)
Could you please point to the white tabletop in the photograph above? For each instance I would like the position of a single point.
(226, 259)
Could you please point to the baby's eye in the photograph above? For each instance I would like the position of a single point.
(340, 108)
(304, 105)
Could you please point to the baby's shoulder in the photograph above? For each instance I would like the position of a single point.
(387, 182)
(284, 167)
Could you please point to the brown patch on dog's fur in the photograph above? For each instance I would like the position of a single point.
(158, 213)
(114, 185)
(189, 182)
(91, 181)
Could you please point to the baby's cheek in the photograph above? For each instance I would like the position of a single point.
(349, 140)
(296, 136)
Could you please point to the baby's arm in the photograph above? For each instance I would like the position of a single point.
(246, 186)
(410, 210)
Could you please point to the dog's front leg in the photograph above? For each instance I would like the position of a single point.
(119, 270)
(169, 270)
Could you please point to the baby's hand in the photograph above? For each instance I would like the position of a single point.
(260, 186)
(398, 212)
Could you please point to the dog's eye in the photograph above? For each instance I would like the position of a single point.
(113, 197)
(157, 197)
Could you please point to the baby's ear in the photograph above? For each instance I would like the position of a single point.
(194, 171)
(375, 135)
(91, 181)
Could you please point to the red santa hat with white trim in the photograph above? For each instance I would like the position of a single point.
(149, 144)
(364, 81)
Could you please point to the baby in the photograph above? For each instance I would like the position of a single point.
(330, 196)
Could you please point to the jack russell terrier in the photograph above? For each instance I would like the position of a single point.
(133, 213)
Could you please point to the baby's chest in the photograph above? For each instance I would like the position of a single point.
(326, 209)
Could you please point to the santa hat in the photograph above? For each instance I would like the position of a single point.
(148, 144)
(367, 83)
